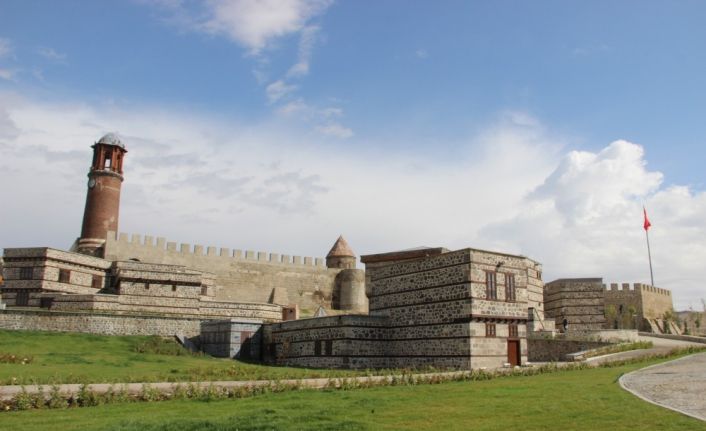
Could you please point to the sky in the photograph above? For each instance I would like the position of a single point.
(538, 128)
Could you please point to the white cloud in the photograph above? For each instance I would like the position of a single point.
(256, 23)
(585, 220)
(306, 46)
(7, 74)
(270, 187)
(51, 54)
(293, 108)
(279, 89)
(421, 53)
(336, 130)
(5, 47)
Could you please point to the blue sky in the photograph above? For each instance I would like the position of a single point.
(491, 102)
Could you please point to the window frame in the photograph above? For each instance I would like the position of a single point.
(513, 331)
(491, 330)
(64, 275)
(510, 288)
(491, 285)
(96, 282)
(26, 273)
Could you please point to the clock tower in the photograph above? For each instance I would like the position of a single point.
(103, 197)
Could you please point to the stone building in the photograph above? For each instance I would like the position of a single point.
(575, 303)
(428, 308)
(585, 304)
(236, 276)
(423, 307)
(63, 281)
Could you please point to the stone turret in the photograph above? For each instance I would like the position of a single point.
(341, 255)
(349, 291)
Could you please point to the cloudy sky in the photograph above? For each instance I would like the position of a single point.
(539, 128)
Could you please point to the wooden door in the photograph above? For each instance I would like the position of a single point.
(513, 352)
(245, 345)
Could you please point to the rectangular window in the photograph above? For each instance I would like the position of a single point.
(490, 329)
(26, 273)
(64, 275)
(317, 348)
(97, 282)
(147, 286)
(22, 298)
(491, 286)
(329, 347)
(512, 331)
(510, 287)
(173, 287)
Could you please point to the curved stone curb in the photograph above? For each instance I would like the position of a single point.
(635, 392)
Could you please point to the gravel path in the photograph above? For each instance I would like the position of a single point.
(679, 385)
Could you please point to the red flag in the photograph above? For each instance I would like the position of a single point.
(647, 223)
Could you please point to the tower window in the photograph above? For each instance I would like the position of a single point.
(108, 161)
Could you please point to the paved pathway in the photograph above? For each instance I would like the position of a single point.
(679, 385)
(660, 346)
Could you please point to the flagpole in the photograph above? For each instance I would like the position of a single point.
(649, 255)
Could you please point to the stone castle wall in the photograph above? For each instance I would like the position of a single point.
(580, 301)
(650, 302)
(630, 306)
(94, 323)
(240, 275)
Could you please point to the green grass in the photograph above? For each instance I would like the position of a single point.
(587, 399)
(85, 358)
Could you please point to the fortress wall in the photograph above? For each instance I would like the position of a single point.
(165, 305)
(648, 301)
(247, 276)
(92, 323)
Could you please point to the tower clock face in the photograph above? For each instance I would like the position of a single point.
(91, 183)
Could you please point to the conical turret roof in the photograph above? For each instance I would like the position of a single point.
(341, 249)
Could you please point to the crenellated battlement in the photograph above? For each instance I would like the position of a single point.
(635, 287)
(151, 243)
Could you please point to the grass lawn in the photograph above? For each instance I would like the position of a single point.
(567, 400)
(85, 358)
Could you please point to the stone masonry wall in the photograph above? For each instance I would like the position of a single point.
(555, 350)
(93, 323)
(246, 276)
(630, 306)
(424, 312)
(580, 301)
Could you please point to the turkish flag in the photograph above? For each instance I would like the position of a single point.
(647, 223)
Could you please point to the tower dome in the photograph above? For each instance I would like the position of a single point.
(111, 139)
(340, 255)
